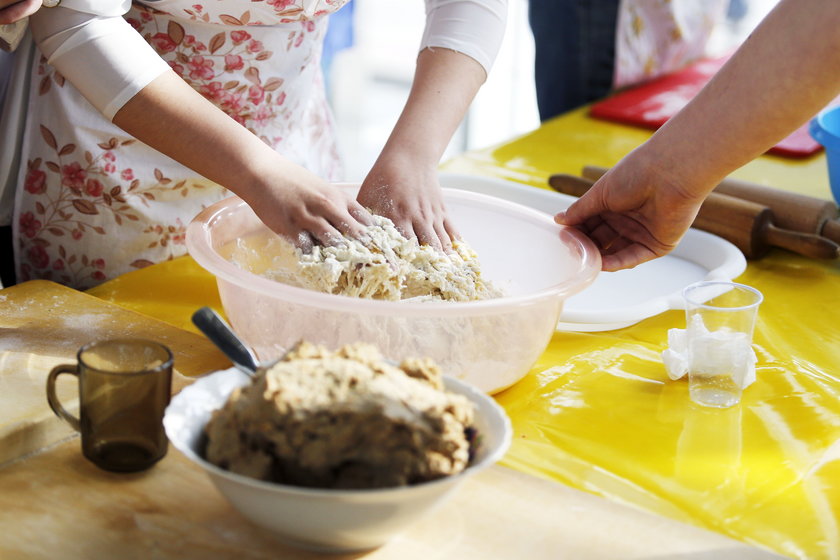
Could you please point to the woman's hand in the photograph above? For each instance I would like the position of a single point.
(14, 10)
(409, 194)
(773, 83)
(310, 211)
(634, 213)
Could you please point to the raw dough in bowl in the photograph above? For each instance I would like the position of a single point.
(344, 419)
(382, 264)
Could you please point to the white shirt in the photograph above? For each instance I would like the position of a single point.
(90, 43)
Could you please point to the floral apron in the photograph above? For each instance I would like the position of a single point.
(93, 203)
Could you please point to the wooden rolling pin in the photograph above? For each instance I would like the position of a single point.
(747, 225)
(797, 212)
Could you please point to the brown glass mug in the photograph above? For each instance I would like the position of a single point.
(124, 388)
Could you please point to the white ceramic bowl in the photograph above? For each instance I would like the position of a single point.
(490, 344)
(326, 520)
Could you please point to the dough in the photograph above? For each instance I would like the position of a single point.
(381, 265)
(344, 419)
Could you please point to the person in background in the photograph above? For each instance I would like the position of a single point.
(223, 95)
(574, 51)
(782, 75)
(585, 49)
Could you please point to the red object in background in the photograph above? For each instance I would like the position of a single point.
(651, 104)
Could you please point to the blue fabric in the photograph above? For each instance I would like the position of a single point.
(575, 52)
(737, 9)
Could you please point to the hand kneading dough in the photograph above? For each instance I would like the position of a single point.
(381, 265)
(346, 419)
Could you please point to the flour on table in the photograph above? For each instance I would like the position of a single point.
(383, 264)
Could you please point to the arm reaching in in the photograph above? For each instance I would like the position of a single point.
(289, 199)
(782, 75)
(461, 41)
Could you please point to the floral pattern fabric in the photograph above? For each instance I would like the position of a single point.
(656, 37)
(95, 203)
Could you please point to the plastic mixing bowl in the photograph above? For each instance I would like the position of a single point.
(490, 344)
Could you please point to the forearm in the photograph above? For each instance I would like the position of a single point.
(445, 83)
(782, 75)
(459, 45)
(174, 119)
(120, 74)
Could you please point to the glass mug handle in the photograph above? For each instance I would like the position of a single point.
(52, 396)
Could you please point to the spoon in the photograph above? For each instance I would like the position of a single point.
(219, 332)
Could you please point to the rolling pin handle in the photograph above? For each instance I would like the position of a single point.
(806, 244)
(831, 230)
(569, 184)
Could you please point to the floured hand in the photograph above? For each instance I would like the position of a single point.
(410, 195)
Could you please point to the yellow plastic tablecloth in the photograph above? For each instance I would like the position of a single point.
(597, 411)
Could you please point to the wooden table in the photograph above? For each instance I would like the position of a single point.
(57, 505)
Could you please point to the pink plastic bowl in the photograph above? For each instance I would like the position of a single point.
(490, 344)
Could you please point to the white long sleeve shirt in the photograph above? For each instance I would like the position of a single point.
(90, 43)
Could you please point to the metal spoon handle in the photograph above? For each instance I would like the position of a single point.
(219, 332)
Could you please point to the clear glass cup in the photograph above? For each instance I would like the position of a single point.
(720, 320)
(124, 388)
